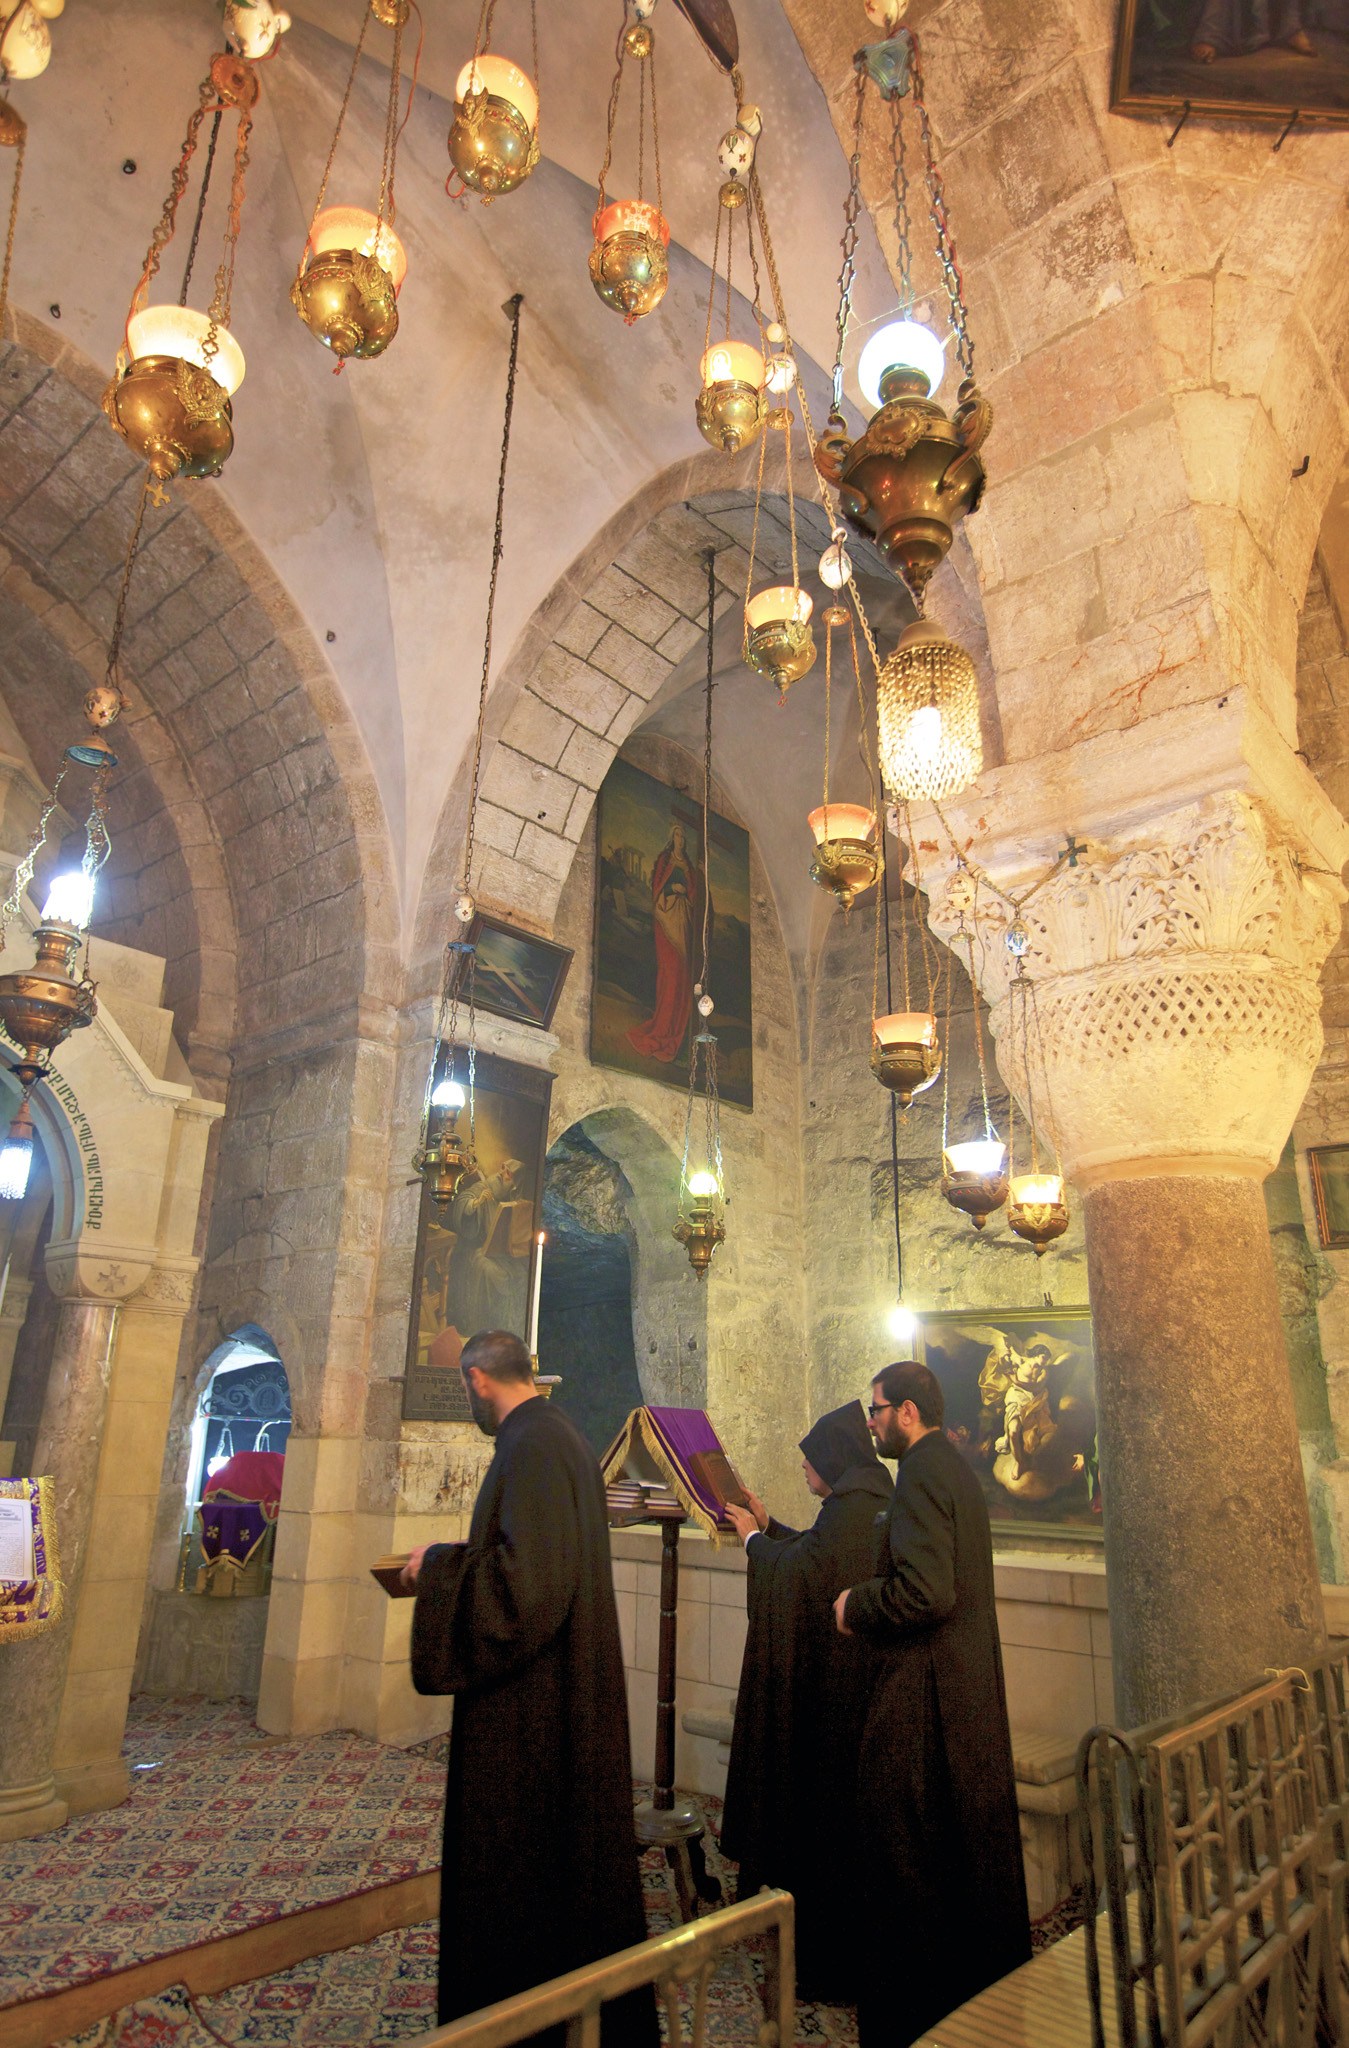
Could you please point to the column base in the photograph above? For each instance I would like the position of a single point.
(30, 1810)
(93, 1788)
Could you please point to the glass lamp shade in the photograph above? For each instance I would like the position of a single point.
(702, 1186)
(780, 374)
(900, 344)
(352, 227)
(835, 566)
(180, 331)
(28, 43)
(16, 1156)
(732, 362)
(781, 604)
(841, 821)
(976, 1155)
(504, 81)
(70, 899)
(905, 1027)
(448, 1095)
(1037, 1187)
(633, 217)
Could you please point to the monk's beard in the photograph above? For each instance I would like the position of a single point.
(481, 1412)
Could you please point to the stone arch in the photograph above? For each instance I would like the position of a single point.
(609, 635)
(263, 789)
(669, 1316)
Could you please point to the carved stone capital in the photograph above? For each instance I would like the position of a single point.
(89, 1268)
(1176, 980)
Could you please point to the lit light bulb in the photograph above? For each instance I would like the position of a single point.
(701, 1185)
(899, 342)
(448, 1095)
(70, 899)
(835, 565)
(977, 1155)
(925, 732)
(902, 1324)
(16, 1156)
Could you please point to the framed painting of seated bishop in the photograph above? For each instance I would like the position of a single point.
(1020, 1390)
(473, 1268)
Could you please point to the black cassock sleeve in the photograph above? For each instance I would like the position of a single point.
(485, 1609)
(920, 1588)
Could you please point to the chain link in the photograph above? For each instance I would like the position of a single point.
(852, 207)
(899, 185)
(946, 248)
(337, 132)
(515, 304)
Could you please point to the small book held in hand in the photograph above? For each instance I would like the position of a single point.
(719, 1476)
(389, 1572)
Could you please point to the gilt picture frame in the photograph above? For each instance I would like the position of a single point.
(473, 1270)
(1253, 60)
(1020, 1389)
(650, 892)
(1328, 1170)
(516, 973)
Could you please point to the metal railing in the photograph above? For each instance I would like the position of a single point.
(1217, 1843)
(686, 1957)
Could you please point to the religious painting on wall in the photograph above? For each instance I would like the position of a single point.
(1282, 59)
(1328, 1166)
(515, 974)
(473, 1268)
(650, 894)
(1021, 1409)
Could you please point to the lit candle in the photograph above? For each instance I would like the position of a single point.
(533, 1346)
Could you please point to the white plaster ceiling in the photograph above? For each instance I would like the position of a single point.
(372, 492)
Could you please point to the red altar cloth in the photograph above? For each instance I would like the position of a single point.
(250, 1476)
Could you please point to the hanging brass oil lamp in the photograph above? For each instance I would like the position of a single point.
(846, 860)
(170, 399)
(905, 1055)
(974, 1172)
(914, 473)
(1037, 1203)
(353, 264)
(730, 408)
(628, 265)
(494, 137)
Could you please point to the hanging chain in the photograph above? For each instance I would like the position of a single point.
(614, 91)
(641, 131)
(337, 132)
(899, 185)
(655, 124)
(386, 209)
(707, 759)
(23, 873)
(168, 219)
(201, 204)
(852, 207)
(1050, 1119)
(989, 1131)
(224, 277)
(132, 550)
(828, 691)
(514, 305)
(712, 287)
(946, 248)
(13, 222)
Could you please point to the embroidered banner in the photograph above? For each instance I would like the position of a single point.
(28, 1606)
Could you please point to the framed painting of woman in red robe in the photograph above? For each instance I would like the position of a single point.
(654, 881)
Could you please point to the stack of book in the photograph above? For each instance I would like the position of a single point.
(641, 1500)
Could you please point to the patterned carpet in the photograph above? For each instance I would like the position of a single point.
(225, 1828)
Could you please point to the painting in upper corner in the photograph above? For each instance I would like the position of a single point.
(1020, 1388)
(652, 882)
(1273, 59)
(515, 974)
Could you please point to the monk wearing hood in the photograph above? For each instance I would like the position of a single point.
(791, 1791)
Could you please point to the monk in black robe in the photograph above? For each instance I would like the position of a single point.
(945, 1885)
(791, 1790)
(540, 1870)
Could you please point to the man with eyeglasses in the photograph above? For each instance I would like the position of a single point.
(941, 1835)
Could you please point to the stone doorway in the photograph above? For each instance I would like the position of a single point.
(585, 1311)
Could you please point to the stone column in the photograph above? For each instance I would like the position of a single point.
(33, 1674)
(1176, 977)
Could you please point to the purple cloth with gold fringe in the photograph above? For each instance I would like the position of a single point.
(232, 1529)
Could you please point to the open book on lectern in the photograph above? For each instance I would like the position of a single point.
(670, 1462)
